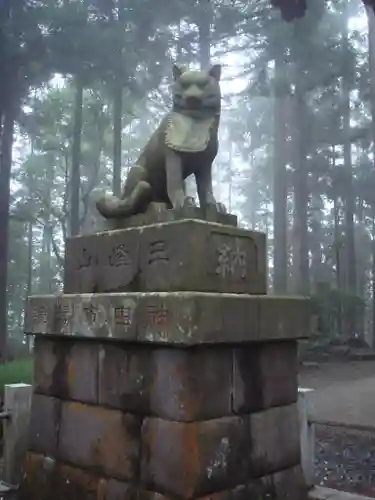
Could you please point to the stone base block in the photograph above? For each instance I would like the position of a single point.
(47, 479)
(174, 384)
(205, 422)
(174, 256)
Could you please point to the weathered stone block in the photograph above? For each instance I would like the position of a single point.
(264, 375)
(175, 256)
(116, 490)
(74, 484)
(181, 318)
(39, 478)
(82, 367)
(194, 459)
(125, 377)
(66, 369)
(44, 424)
(279, 316)
(40, 314)
(288, 484)
(46, 479)
(107, 440)
(192, 384)
(239, 493)
(46, 369)
(274, 435)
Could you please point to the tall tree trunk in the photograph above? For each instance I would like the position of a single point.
(373, 279)
(10, 114)
(230, 179)
(29, 259)
(301, 194)
(371, 46)
(337, 250)
(118, 105)
(117, 139)
(75, 178)
(280, 258)
(350, 254)
(204, 33)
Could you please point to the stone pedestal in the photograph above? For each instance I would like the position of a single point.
(165, 371)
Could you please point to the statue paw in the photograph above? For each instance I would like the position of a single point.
(189, 202)
(217, 207)
(221, 208)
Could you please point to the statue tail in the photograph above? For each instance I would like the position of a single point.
(112, 207)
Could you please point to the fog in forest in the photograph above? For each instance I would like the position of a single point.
(85, 83)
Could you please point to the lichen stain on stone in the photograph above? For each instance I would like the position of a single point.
(70, 373)
(192, 462)
(220, 458)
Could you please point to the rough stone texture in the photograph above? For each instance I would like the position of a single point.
(106, 440)
(44, 424)
(188, 255)
(264, 375)
(239, 493)
(287, 484)
(67, 370)
(45, 367)
(82, 365)
(39, 478)
(47, 479)
(182, 318)
(40, 314)
(275, 444)
(74, 484)
(194, 459)
(125, 377)
(184, 382)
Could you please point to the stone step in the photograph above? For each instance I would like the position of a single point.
(182, 318)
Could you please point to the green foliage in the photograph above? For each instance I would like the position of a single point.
(15, 372)
(330, 304)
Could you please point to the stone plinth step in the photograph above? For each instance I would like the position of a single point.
(158, 212)
(184, 318)
(185, 255)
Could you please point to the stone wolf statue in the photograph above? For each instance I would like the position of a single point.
(185, 143)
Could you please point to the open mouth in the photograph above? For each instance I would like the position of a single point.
(193, 103)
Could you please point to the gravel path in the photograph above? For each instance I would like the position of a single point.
(345, 459)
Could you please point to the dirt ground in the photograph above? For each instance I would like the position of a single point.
(326, 374)
(344, 393)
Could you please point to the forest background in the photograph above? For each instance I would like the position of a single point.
(83, 84)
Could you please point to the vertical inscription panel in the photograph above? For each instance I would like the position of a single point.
(118, 260)
(81, 264)
(102, 262)
(193, 255)
(235, 262)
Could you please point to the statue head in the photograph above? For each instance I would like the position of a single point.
(197, 92)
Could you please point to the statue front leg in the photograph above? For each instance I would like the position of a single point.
(175, 180)
(205, 190)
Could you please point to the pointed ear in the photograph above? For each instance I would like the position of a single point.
(176, 71)
(215, 72)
